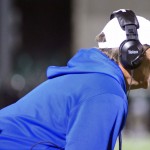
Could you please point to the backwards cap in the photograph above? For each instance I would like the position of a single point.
(115, 35)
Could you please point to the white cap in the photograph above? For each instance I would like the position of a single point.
(115, 35)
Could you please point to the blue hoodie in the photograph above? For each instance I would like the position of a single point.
(81, 106)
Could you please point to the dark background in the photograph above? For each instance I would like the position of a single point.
(44, 31)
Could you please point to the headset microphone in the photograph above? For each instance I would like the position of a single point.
(141, 55)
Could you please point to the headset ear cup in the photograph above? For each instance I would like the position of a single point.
(129, 52)
(131, 49)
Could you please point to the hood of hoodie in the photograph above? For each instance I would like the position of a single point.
(89, 61)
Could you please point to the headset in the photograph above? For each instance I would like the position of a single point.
(130, 50)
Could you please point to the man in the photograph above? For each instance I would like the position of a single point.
(83, 106)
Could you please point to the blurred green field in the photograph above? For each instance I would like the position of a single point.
(135, 144)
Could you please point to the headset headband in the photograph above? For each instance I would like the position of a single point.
(125, 18)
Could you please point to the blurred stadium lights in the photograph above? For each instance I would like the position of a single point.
(9, 37)
(33, 35)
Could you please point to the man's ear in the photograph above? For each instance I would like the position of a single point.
(100, 37)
